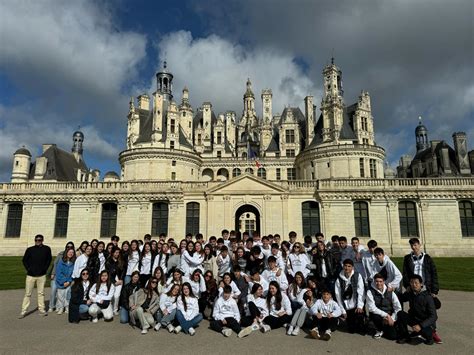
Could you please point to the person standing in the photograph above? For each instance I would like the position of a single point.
(36, 262)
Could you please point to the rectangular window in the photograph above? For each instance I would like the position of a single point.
(14, 217)
(173, 176)
(159, 218)
(172, 144)
(219, 138)
(277, 154)
(173, 162)
(365, 141)
(192, 218)
(290, 153)
(60, 225)
(278, 173)
(310, 217)
(108, 223)
(172, 126)
(467, 218)
(291, 173)
(373, 168)
(199, 139)
(219, 154)
(362, 167)
(408, 219)
(290, 136)
(361, 219)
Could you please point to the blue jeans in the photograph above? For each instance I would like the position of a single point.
(165, 320)
(186, 324)
(124, 316)
(52, 297)
(83, 308)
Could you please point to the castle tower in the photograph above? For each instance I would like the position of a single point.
(186, 115)
(21, 165)
(267, 106)
(421, 134)
(133, 124)
(363, 121)
(310, 121)
(332, 105)
(78, 139)
(164, 81)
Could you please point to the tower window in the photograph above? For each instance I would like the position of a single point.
(16, 162)
(172, 126)
(291, 173)
(219, 138)
(173, 176)
(290, 136)
(172, 144)
(173, 162)
(278, 173)
(219, 154)
(361, 167)
(373, 168)
(199, 139)
(290, 153)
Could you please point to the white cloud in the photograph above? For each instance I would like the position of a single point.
(216, 70)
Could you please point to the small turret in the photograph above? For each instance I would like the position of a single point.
(421, 133)
(164, 81)
(21, 165)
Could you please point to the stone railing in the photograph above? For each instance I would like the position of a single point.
(202, 186)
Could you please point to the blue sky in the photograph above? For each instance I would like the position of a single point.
(66, 64)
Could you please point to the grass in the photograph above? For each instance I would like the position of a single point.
(453, 273)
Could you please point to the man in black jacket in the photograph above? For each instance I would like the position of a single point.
(36, 262)
(421, 316)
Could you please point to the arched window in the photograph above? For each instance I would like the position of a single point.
(236, 172)
(159, 218)
(361, 219)
(15, 215)
(60, 223)
(466, 214)
(249, 171)
(310, 217)
(408, 219)
(262, 173)
(108, 225)
(192, 218)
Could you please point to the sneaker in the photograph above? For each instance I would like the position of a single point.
(43, 313)
(157, 326)
(144, 331)
(170, 328)
(66, 310)
(290, 330)
(296, 331)
(95, 320)
(436, 338)
(265, 328)
(378, 335)
(192, 331)
(22, 315)
(227, 332)
(246, 331)
(51, 310)
(60, 311)
(326, 336)
(116, 313)
(315, 333)
(177, 329)
(429, 341)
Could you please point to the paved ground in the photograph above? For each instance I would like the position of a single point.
(53, 334)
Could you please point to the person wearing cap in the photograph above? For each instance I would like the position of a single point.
(36, 261)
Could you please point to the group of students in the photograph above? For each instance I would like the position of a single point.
(243, 283)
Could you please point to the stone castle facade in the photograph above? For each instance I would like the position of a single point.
(192, 170)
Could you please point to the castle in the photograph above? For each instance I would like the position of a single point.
(192, 170)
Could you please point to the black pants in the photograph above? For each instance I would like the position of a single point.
(143, 280)
(231, 323)
(324, 324)
(355, 322)
(404, 320)
(254, 313)
(277, 322)
(377, 323)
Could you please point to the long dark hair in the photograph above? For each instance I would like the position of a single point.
(295, 285)
(149, 289)
(130, 251)
(119, 259)
(183, 297)
(99, 281)
(278, 296)
(162, 279)
(191, 253)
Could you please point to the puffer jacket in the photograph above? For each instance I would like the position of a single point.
(139, 297)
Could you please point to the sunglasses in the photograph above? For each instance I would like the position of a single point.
(154, 282)
(85, 273)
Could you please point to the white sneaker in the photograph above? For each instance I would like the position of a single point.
(192, 331)
(327, 335)
(246, 331)
(95, 320)
(226, 331)
(60, 311)
(157, 326)
(378, 335)
(177, 329)
(265, 328)
(116, 313)
(66, 310)
(145, 330)
(315, 333)
(51, 310)
(170, 328)
(290, 330)
(296, 331)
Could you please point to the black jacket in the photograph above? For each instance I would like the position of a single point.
(93, 264)
(126, 292)
(331, 267)
(115, 269)
(37, 260)
(422, 307)
(430, 275)
(77, 298)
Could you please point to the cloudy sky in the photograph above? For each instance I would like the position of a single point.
(65, 64)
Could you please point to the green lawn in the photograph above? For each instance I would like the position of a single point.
(454, 273)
